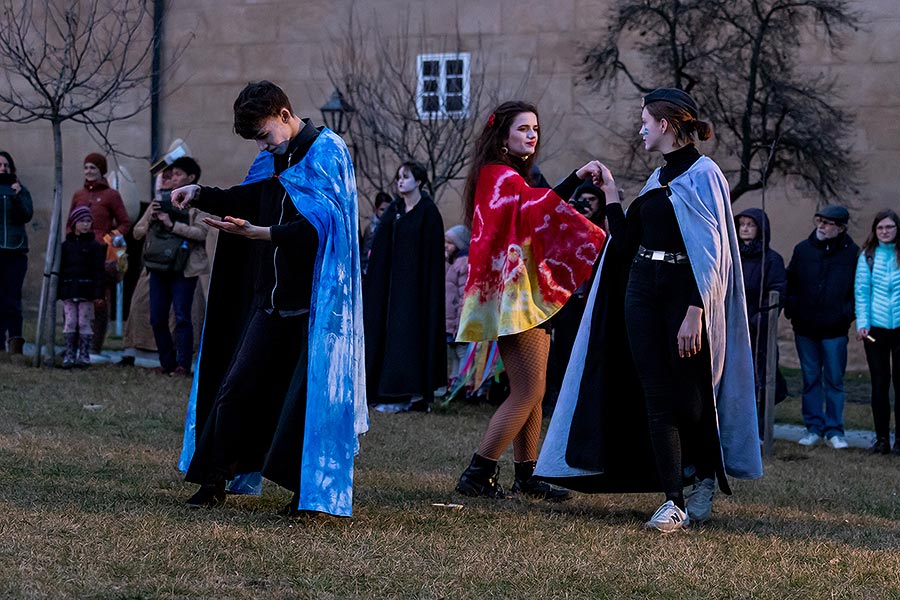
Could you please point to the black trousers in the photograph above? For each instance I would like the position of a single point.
(678, 410)
(258, 417)
(882, 355)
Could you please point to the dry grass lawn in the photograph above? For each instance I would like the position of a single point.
(90, 507)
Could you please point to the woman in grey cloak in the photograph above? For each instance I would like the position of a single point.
(686, 325)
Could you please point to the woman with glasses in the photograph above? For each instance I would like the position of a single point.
(877, 292)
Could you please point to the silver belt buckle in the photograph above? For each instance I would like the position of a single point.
(658, 255)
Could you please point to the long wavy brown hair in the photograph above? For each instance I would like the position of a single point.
(872, 241)
(490, 148)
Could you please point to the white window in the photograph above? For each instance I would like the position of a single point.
(443, 88)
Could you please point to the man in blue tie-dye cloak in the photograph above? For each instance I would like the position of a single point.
(279, 387)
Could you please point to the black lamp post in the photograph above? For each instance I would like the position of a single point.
(337, 113)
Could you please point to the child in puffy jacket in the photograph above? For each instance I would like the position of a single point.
(456, 250)
(81, 281)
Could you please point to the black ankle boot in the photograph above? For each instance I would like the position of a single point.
(481, 479)
(526, 484)
(208, 496)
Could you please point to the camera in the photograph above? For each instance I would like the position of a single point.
(582, 205)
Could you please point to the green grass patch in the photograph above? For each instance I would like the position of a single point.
(91, 507)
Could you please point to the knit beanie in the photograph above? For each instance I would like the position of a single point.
(80, 214)
(98, 160)
(460, 236)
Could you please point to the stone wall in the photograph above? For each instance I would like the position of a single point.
(232, 42)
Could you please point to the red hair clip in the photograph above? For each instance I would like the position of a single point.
(490, 121)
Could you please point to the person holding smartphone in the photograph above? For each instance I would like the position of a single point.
(15, 211)
(174, 256)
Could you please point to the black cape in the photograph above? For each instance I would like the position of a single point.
(403, 304)
(608, 437)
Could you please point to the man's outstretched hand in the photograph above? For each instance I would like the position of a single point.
(182, 196)
(236, 226)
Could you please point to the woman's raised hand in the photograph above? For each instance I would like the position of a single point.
(591, 169)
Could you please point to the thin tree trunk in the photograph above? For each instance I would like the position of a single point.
(47, 303)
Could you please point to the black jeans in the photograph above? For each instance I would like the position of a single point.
(13, 265)
(259, 414)
(656, 302)
(882, 355)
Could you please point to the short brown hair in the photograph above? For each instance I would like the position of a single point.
(258, 101)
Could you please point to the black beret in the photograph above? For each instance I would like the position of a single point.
(835, 213)
(676, 97)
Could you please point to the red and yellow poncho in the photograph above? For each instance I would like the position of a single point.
(530, 250)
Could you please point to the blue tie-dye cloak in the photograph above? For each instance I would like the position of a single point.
(323, 188)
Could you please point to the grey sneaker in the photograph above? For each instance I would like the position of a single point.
(838, 442)
(668, 518)
(810, 439)
(698, 501)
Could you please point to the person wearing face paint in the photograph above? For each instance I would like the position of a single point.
(403, 300)
(764, 272)
(16, 211)
(686, 327)
(820, 306)
(110, 218)
(529, 252)
(877, 293)
(279, 385)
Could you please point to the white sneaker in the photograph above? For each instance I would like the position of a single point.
(810, 439)
(838, 442)
(668, 518)
(698, 501)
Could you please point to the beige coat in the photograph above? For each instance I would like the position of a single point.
(195, 230)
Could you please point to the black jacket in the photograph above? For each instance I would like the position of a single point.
(81, 272)
(761, 269)
(820, 286)
(15, 211)
(283, 268)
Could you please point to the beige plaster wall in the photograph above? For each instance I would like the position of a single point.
(232, 42)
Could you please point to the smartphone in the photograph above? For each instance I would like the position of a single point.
(165, 202)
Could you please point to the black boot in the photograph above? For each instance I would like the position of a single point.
(71, 348)
(481, 479)
(526, 484)
(208, 496)
(881, 446)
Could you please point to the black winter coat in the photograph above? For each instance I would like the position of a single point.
(820, 286)
(15, 211)
(763, 271)
(769, 274)
(81, 272)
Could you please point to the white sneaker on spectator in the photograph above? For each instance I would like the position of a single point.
(698, 501)
(668, 518)
(838, 442)
(810, 439)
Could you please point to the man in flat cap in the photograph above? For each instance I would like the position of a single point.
(820, 307)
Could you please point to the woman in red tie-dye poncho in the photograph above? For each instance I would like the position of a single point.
(530, 250)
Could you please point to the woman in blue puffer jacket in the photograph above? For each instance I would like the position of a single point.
(878, 322)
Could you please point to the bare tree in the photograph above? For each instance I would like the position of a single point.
(738, 60)
(85, 61)
(378, 73)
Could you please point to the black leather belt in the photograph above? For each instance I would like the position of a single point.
(675, 258)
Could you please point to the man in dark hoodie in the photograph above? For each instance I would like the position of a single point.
(764, 272)
(820, 306)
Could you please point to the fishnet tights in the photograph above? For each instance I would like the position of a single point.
(518, 419)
